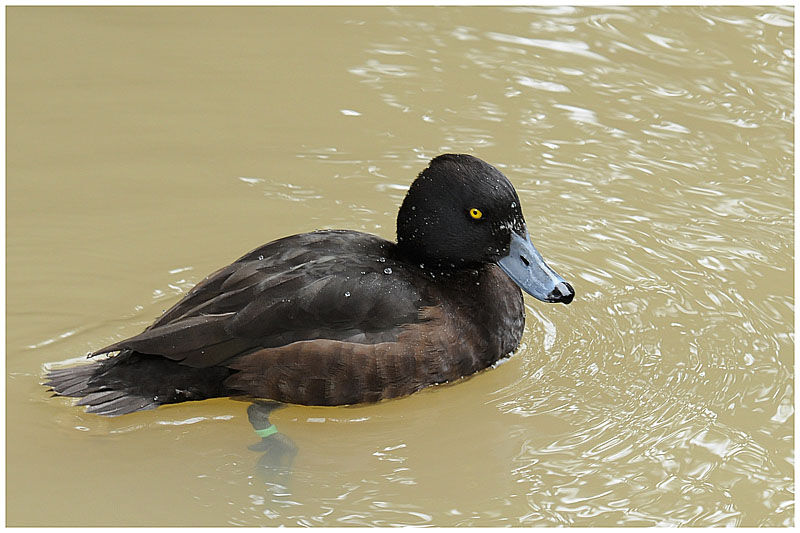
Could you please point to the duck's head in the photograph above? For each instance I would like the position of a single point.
(461, 212)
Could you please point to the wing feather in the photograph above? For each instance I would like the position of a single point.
(330, 285)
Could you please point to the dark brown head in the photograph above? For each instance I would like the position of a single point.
(461, 212)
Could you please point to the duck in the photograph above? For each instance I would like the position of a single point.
(341, 317)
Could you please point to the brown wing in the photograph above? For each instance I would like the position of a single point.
(335, 285)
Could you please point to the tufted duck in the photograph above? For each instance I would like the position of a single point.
(341, 317)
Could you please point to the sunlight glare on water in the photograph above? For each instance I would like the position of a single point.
(652, 150)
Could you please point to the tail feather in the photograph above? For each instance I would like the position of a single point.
(86, 382)
(78, 386)
(100, 397)
(131, 382)
(70, 381)
(122, 406)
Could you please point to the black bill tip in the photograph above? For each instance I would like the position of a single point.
(563, 293)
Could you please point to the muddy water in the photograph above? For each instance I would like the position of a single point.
(652, 149)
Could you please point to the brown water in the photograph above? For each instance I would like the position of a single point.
(652, 149)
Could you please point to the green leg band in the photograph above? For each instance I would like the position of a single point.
(266, 432)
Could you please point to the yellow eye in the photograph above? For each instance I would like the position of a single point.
(475, 213)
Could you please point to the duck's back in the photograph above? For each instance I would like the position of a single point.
(334, 284)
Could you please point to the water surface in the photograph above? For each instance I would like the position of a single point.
(652, 148)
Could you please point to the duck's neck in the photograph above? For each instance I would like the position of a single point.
(437, 268)
(488, 302)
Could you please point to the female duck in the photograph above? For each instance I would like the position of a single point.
(342, 317)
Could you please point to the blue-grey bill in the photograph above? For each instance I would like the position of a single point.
(526, 267)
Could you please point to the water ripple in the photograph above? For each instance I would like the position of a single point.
(652, 149)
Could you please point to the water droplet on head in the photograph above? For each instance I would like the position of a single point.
(381, 260)
(260, 257)
(347, 294)
(387, 270)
